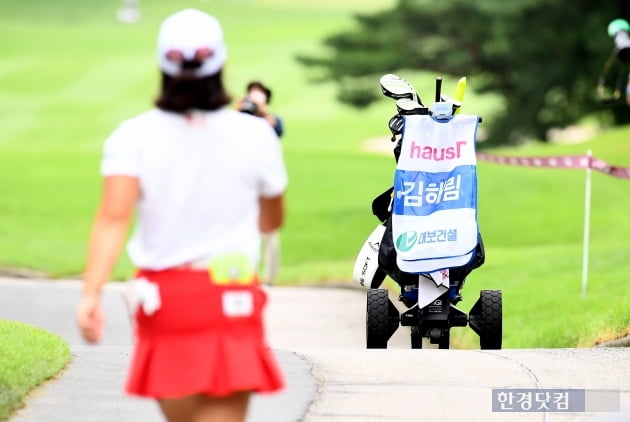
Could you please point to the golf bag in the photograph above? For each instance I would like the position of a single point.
(387, 254)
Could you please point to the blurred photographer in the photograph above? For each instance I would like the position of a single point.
(256, 102)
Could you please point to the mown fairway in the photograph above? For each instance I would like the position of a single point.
(69, 73)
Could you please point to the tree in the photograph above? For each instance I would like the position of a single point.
(542, 56)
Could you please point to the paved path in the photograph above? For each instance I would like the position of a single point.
(96, 374)
(318, 336)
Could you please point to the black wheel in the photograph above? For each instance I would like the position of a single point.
(416, 338)
(491, 319)
(445, 339)
(376, 321)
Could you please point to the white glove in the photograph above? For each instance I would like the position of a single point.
(142, 292)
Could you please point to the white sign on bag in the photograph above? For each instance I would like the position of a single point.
(434, 214)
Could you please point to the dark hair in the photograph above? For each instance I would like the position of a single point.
(180, 94)
(259, 85)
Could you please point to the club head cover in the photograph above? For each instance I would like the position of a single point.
(366, 265)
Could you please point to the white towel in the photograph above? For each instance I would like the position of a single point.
(434, 215)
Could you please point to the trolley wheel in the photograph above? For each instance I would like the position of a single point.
(445, 339)
(376, 321)
(491, 334)
(416, 338)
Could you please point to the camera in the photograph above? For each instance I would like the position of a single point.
(248, 106)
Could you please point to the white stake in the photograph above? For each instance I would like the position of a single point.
(587, 220)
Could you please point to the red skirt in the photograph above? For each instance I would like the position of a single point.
(205, 338)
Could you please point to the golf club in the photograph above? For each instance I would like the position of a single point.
(393, 86)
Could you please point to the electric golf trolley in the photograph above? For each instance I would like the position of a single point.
(427, 240)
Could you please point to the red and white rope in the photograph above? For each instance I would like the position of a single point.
(563, 161)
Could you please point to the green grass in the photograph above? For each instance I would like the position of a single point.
(28, 357)
(533, 223)
(69, 73)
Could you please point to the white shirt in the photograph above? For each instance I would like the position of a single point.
(200, 178)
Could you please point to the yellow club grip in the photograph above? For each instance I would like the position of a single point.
(460, 89)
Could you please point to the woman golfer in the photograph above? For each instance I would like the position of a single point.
(204, 181)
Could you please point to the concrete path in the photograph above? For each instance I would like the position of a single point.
(318, 336)
(96, 374)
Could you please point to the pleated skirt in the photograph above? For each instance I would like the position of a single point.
(205, 338)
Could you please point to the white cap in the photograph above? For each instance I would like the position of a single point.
(190, 34)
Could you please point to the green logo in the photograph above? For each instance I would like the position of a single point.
(405, 241)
